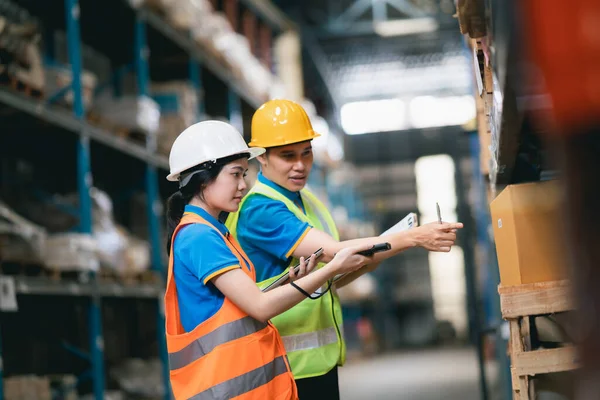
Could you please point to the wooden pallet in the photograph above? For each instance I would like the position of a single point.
(36, 269)
(519, 304)
(21, 86)
(130, 135)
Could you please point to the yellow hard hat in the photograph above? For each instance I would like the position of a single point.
(280, 122)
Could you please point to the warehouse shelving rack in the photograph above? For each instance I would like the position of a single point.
(506, 149)
(75, 122)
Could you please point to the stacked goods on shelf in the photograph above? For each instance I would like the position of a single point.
(214, 33)
(71, 252)
(59, 77)
(27, 244)
(118, 251)
(127, 116)
(109, 247)
(95, 67)
(178, 102)
(20, 59)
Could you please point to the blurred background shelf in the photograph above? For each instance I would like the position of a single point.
(44, 286)
(62, 118)
(93, 94)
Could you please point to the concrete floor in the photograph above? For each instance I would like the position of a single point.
(430, 374)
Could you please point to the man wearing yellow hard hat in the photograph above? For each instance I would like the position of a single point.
(280, 221)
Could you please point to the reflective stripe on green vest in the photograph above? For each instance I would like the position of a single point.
(312, 330)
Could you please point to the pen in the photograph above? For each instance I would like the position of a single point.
(439, 214)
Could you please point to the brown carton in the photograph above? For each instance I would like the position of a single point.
(528, 232)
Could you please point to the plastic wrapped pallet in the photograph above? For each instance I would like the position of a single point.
(135, 113)
(137, 256)
(209, 29)
(111, 242)
(59, 77)
(257, 78)
(71, 252)
(178, 104)
(20, 239)
(117, 250)
(33, 77)
(19, 42)
(185, 14)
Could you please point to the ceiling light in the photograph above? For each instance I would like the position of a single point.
(401, 27)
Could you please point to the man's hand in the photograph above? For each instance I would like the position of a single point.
(436, 237)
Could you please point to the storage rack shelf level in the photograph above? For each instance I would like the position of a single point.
(75, 122)
(518, 304)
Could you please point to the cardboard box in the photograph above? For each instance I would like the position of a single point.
(528, 229)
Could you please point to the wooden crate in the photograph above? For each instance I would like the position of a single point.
(518, 304)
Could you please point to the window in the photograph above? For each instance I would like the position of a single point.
(396, 114)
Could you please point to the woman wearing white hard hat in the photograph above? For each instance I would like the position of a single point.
(220, 341)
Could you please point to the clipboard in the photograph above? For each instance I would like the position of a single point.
(410, 221)
(285, 278)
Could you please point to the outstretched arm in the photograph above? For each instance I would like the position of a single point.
(433, 237)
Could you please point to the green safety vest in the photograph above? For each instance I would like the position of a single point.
(312, 330)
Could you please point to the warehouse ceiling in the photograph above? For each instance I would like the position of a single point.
(369, 49)
(360, 50)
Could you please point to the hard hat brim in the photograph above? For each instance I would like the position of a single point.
(258, 144)
(253, 151)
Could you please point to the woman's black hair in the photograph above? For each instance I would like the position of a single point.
(197, 178)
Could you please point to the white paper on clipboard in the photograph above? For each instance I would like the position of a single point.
(406, 223)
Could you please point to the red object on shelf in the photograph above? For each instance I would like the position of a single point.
(563, 39)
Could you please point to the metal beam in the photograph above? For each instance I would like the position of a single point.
(407, 8)
(319, 59)
(379, 10)
(352, 13)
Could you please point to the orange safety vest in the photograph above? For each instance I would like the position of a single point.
(230, 355)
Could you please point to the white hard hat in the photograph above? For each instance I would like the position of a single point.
(206, 141)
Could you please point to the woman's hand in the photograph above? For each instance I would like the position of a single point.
(437, 237)
(304, 269)
(346, 260)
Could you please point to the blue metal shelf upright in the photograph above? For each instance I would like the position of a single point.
(84, 183)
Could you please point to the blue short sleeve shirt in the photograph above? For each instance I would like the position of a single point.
(269, 232)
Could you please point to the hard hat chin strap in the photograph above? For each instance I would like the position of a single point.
(186, 176)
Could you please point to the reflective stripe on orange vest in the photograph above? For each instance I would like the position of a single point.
(245, 383)
(229, 355)
(207, 343)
